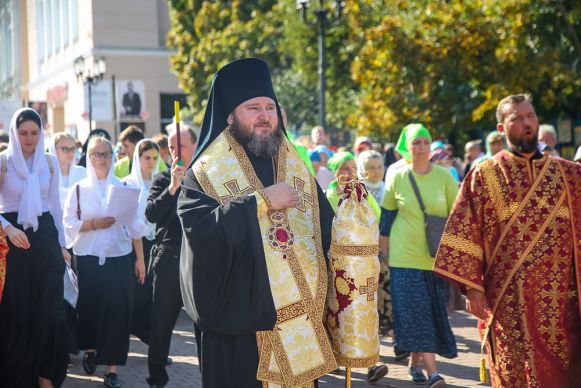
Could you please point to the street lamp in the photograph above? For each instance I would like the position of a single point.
(90, 70)
(321, 14)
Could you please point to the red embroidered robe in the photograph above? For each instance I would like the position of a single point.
(515, 234)
(3, 253)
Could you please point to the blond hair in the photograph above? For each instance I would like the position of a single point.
(95, 141)
(63, 135)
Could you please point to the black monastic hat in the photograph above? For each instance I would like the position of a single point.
(233, 84)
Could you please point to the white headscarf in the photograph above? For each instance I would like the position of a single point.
(95, 187)
(30, 207)
(135, 179)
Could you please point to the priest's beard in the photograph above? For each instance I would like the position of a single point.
(258, 145)
(522, 144)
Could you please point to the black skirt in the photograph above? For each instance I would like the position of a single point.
(32, 318)
(104, 307)
(142, 298)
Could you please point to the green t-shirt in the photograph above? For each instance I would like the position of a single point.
(121, 169)
(408, 246)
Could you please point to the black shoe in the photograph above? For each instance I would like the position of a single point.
(376, 372)
(400, 355)
(156, 386)
(111, 381)
(90, 362)
(168, 361)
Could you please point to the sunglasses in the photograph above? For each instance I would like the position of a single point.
(67, 150)
(101, 155)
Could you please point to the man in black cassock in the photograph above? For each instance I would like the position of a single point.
(256, 233)
(165, 258)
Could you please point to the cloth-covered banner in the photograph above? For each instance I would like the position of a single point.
(352, 318)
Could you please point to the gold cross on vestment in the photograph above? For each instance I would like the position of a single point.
(369, 289)
(235, 192)
(554, 294)
(552, 330)
(304, 197)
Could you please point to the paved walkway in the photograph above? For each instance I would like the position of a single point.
(459, 372)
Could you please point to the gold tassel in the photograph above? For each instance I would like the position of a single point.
(483, 372)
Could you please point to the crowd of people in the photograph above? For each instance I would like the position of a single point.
(248, 200)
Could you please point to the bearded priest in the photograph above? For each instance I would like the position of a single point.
(257, 229)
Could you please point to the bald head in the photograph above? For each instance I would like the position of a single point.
(188, 140)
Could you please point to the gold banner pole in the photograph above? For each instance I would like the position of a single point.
(348, 378)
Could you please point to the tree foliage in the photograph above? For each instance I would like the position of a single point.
(442, 62)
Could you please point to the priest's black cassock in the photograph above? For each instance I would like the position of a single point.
(224, 278)
(227, 286)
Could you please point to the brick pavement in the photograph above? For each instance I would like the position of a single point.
(459, 372)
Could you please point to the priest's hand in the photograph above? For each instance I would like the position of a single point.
(177, 173)
(282, 196)
(476, 304)
(17, 237)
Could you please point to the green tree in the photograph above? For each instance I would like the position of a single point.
(447, 63)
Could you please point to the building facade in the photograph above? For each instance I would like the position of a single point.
(56, 40)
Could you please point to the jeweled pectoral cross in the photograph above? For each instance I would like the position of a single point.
(304, 197)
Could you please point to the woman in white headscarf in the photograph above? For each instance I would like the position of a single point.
(63, 147)
(32, 320)
(106, 264)
(144, 166)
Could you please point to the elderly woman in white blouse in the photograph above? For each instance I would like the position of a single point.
(106, 263)
(33, 348)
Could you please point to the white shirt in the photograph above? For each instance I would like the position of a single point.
(11, 192)
(114, 241)
(76, 174)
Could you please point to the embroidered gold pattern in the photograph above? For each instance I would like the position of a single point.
(235, 192)
(350, 250)
(370, 289)
(289, 312)
(304, 197)
(277, 370)
(530, 338)
(356, 363)
(462, 245)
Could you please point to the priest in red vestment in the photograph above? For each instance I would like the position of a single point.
(513, 244)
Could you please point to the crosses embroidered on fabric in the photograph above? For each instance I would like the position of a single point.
(304, 197)
(235, 192)
(370, 289)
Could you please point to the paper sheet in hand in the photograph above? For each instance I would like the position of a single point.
(122, 204)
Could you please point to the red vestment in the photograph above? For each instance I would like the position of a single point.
(3, 253)
(515, 234)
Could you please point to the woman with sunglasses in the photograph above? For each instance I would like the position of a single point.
(64, 148)
(106, 263)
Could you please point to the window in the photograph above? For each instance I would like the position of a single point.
(66, 21)
(74, 15)
(40, 33)
(167, 107)
(56, 22)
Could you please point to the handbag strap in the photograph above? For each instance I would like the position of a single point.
(417, 191)
(78, 189)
